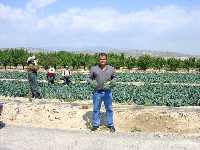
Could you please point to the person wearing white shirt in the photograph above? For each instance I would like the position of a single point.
(66, 75)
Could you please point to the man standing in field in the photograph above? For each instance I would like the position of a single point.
(1, 108)
(101, 78)
(32, 76)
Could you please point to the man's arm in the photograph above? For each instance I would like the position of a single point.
(91, 79)
(91, 76)
(113, 79)
(113, 76)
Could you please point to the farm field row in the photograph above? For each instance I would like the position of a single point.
(147, 94)
(191, 78)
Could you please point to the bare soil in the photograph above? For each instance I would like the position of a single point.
(78, 115)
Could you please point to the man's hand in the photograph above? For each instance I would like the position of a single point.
(109, 85)
(93, 84)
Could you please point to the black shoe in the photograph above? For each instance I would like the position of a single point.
(112, 128)
(38, 95)
(94, 128)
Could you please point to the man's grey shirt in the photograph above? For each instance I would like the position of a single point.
(101, 76)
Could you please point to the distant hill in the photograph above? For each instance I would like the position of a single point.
(138, 52)
(126, 51)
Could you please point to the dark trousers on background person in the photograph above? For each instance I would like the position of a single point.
(51, 79)
(1, 108)
(66, 80)
(32, 78)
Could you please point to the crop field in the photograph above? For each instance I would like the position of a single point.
(169, 89)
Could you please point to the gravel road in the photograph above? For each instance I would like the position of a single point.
(26, 138)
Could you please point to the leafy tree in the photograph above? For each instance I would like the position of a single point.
(158, 62)
(130, 62)
(5, 58)
(114, 60)
(144, 62)
(173, 63)
(189, 63)
(198, 64)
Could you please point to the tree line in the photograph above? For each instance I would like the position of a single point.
(18, 57)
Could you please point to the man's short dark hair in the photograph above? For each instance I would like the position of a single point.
(103, 54)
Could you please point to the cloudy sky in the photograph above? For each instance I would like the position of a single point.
(165, 25)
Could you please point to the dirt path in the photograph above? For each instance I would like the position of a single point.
(126, 83)
(24, 138)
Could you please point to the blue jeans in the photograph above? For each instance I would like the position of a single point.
(106, 97)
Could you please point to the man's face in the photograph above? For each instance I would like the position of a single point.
(102, 60)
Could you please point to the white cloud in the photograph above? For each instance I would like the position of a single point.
(9, 14)
(34, 5)
(103, 20)
(167, 27)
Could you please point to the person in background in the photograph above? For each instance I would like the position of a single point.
(66, 75)
(1, 108)
(51, 75)
(102, 78)
(32, 76)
